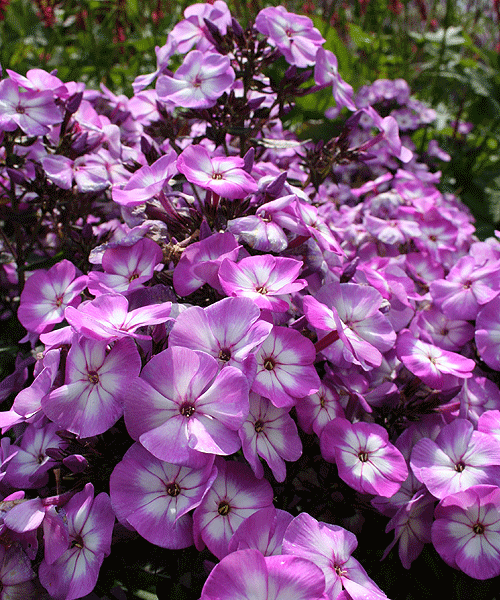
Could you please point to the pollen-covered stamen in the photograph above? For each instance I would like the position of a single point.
(459, 467)
(132, 277)
(187, 410)
(259, 426)
(223, 508)
(77, 542)
(173, 489)
(93, 377)
(341, 572)
(478, 528)
(224, 354)
(269, 364)
(217, 176)
(261, 290)
(20, 110)
(363, 456)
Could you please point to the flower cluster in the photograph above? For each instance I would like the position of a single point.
(207, 283)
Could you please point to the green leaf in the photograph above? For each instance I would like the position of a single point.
(132, 9)
(360, 37)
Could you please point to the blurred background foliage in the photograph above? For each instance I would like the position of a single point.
(447, 50)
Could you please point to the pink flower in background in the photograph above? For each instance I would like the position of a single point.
(223, 175)
(365, 458)
(198, 82)
(466, 532)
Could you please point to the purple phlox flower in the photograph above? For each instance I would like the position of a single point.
(422, 267)
(488, 333)
(432, 326)
(412, 527)
(90, 524)
(437, 235)
(7, 451)
(247, 575)
(146, 182)
(318, 409)
(193, 31)
(478, 394)
(90, 174)
(154, 497)
(263, 531)
(223, 175)
(436, 367)
(326, 73)
(269, 432)
(294, 35)
(466, 532)
(46, 295)
(307, 222)
(144, 107)
(389, 134)
(391, 231)
(16, 574)
(330, 548)
(29, 467)
(38, 80)
(384, 202)
(433, 149)
(90, 401)
(32, 111)
(352, 311)
(458, 459)
(200, 263)
(235, 495)
(198, 82)
(466, 288)
(59, 169)
(28, 402)
(229, 330)
(264, 231)
(188, 408)
(163, 54)
(285, 367)
(264, 279)
(107, 317)
(365, 458)
(489, 422)
(126, 268)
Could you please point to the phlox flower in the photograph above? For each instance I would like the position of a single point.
(126, 268)
(466, 532)
(183, 409)
(223, 175)
(16, 574)
(198, 82)
(200, 263)
(326, 73)
(365, 458)
(235, 495)
(263, 279)
(107, 317)
(294, 35)
(229, 330)
(330, 548)
(30, 464)
(154, 496)
(458, 459)
(488, 333)
(192, 30)
(90, 524)
(247, 575)
(433, 365)
(318, 409)
(285, 367)
(269, 432)
(46, 295)
(32, 111)
(90, 401)
(263, 530)
(146, 182)
(466, 288)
